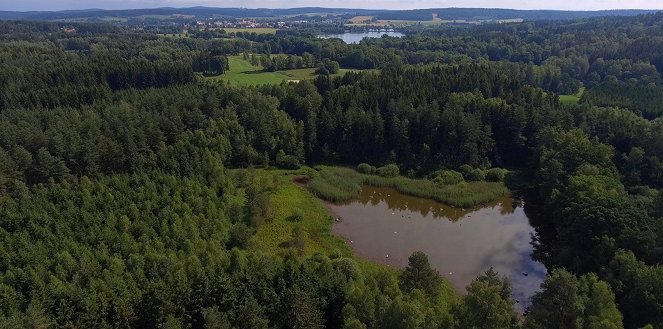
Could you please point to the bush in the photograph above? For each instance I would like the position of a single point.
(476, 175)
(448, 177)
(290, 162)
(327, 67)
(390, 170)
(321, 70)
(496, 174)
(287, 161)
(348, 267)
(465, 170)
(365, 168)
(333, 67)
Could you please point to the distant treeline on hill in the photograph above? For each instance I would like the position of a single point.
(418, 14)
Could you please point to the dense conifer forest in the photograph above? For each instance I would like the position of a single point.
(133, 187)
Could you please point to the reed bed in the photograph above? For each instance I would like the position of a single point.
(337, 184)
(332, 185)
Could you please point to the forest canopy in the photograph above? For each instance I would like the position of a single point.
(130, 194)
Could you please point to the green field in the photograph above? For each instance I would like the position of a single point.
(257, 30)
(243, 73)
(368, 21)
(400, 23)
(571, 99)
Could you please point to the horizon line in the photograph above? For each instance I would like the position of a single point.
(333, 8)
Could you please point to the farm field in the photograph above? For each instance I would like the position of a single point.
(366, 21)
(257, 30)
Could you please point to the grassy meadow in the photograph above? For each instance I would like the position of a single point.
(340, 184)
(368, 21)
(274, 235)
(243, 73)
(571, 99)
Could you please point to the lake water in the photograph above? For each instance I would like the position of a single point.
(386, 226)
(357, 37)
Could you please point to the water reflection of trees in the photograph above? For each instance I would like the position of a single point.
(397, 201)
(544, 236)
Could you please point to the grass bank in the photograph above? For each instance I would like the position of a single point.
(288, 196)
(274, 235)
(340, 184)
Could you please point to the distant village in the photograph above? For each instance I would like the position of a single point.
(246, 24)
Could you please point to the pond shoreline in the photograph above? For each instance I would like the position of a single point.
(461, 243)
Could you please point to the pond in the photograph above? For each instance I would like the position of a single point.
(386, 226)
(357, 37)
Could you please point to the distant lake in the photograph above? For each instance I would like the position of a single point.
(386, 226)
(357, 37)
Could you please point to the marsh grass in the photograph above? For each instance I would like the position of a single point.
(294, 207)
(338, 184)
(301, 215)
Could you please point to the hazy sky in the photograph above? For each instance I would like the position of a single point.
(384, 4)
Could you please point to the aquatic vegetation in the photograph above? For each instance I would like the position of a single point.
(337, 184)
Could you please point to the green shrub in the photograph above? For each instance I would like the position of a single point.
(465, 170)
(365, 168)
(390, 170)
(321, 70)
(476, 175)
(448, 177)
(287, 161)
(327, 67)
(496, 174)
(348, 267)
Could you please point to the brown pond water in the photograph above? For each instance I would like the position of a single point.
(386, 226)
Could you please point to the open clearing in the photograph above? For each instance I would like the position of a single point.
(572, 99)
(361, 19)
(243, 73)
(257, 30)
